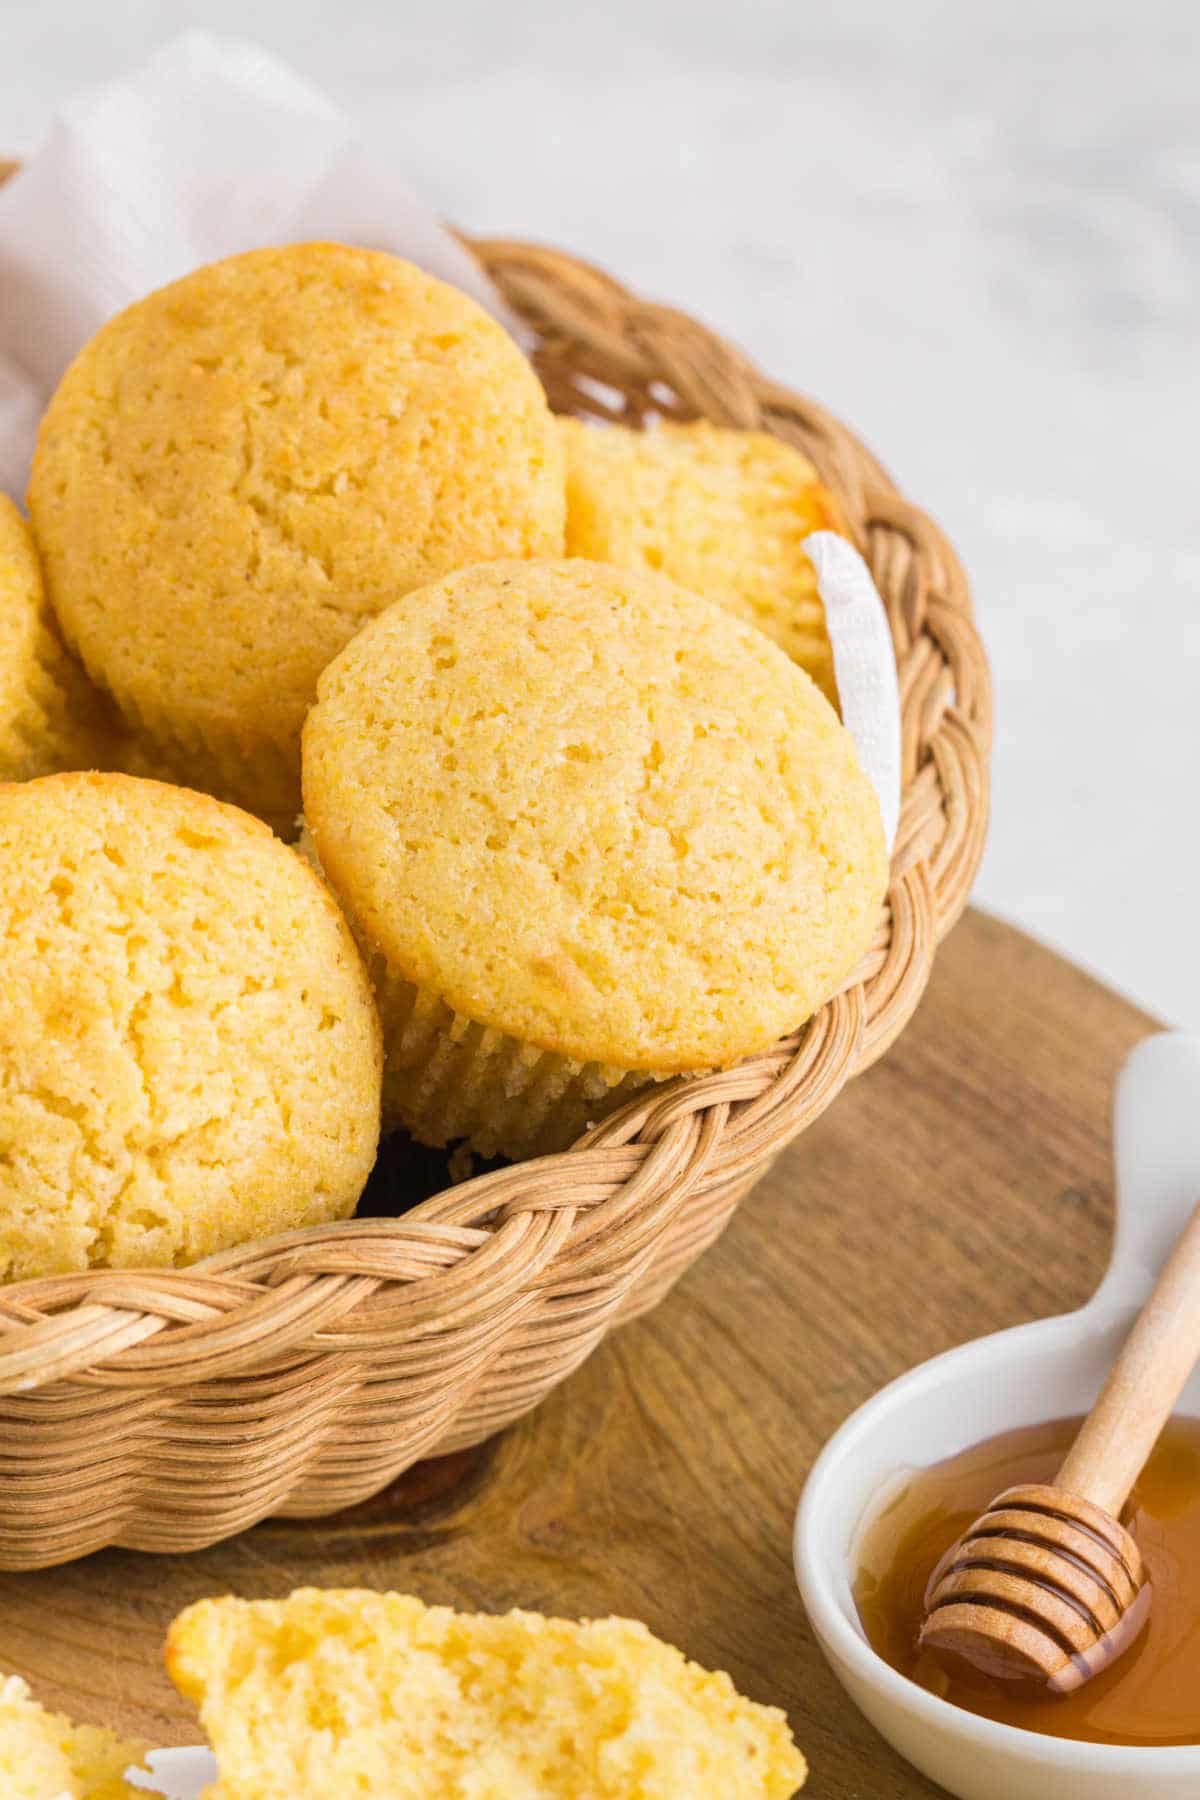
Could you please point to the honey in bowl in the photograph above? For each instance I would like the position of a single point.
(1151, 1695)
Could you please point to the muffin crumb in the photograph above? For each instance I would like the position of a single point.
(333, 1692)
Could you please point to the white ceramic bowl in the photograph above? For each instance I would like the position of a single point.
(1037, 1372)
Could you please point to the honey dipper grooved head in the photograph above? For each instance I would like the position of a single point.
(1045, 1587)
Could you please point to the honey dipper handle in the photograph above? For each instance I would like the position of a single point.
(1144, 1383)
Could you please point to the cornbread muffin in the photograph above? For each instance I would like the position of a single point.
(591, 830)
(51, 717)
(240, 469)
(44, 1757)
(338, 1693)
(724, 513)
(189, 1054)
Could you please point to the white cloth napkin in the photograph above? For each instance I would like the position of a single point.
(212, 147)
(177, 1774)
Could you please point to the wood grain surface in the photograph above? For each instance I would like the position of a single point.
(661, 1480)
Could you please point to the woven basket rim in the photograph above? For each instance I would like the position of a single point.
(594, 1214)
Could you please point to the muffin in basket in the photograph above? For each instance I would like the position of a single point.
(592, 830)
(189, 1052)
(51, 717)
(44, 1757)
(722, 512)
(335, 1693)
(238, 470)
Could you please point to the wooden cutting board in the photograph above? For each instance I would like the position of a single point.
(661, 1480)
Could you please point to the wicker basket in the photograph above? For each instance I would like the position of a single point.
(163, 1411)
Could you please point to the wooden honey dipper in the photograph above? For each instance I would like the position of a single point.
(1048, 1586)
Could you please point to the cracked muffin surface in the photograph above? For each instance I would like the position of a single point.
(189, 1050)
(593, 830)
(240, 469)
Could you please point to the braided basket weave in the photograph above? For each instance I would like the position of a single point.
(165, 1410)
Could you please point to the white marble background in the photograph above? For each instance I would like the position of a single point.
(972, 229)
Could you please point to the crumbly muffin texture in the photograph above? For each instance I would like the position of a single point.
(722, 512)
(339, 1693)
(51, 717)
(577, 813)
(189, 1050)
(44, 1757)
(238, 470)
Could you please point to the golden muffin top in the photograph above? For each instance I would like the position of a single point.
(724, 513)
(238, 470)
(595, 811)
(50, 715)
(334, 1692)
(189, 1050)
